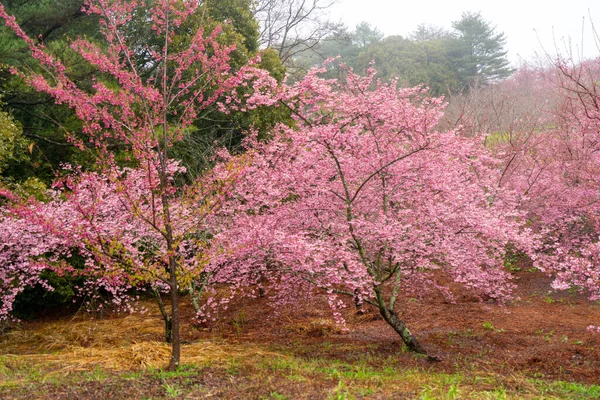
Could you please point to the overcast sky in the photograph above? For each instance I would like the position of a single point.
(522, 21)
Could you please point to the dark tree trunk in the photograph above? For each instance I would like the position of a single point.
(390, 316)
(407, 337)
(166, 317)
(168, 330)
(400, 327)
(175, 338)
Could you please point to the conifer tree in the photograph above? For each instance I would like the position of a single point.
(479, 51)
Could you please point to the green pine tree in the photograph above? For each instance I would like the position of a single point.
(478, 51)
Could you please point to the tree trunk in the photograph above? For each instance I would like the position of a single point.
(168, 330)
(166, 317)
(407, 337)
(175, 338)
(400, 327)
(390, 316)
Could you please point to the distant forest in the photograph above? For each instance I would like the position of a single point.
(446, 61)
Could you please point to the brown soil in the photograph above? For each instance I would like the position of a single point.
(542, 335)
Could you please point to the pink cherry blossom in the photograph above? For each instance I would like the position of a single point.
(363, 197)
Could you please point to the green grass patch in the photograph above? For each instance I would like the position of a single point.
(351, 374)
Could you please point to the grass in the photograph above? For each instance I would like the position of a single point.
(369, 375)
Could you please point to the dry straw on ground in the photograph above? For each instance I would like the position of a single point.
(127, 343)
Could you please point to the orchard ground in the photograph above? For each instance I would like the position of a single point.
(536, 347)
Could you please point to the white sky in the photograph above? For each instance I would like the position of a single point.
(523, 22)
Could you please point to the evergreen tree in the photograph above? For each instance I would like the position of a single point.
(414, 63)
(55, 23)
(425, 33)
(365, 35)
(478, 51)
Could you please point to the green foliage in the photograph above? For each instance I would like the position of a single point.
(242, 20)
(446, 62)
(274, 375)
(277, 396)
(172, 390)
(54, 22)
(341, 393)
(365, 35)
(13, 146)
(58, 22)
(32, 187)
(34, 301)
(478, 50)
(97, 375)
(569, 390)
(488, 326)
(15, 150)
(239, 322)
(214, 129)
(269, 60)
(340, 43)
(413, 62)
(514, 259)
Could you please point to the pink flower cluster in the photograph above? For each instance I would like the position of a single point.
(364, 193)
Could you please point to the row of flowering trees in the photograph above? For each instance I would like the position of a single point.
(361, 197)
(544, 126)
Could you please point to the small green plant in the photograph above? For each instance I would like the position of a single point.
(499, 393)
(451, 335)
(184, 370)
(574, 290)
(547, 335)
(233, 366)
(172, 391)
(362, 392)
(512, 258)
(340, 393)
(277, 396)
(434, 393)
(488, 326)
(97, 375)
(567, 390)
(239, 322)
(453, 392)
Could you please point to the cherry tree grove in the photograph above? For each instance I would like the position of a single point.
(543, 123)
(136, 226)
(364, 198)
(555, 162)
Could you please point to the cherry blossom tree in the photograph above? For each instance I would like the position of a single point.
(557, 165)
(132, 220)
(24, 249)
(365, 198)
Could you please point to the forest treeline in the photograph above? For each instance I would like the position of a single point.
(444, 61)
